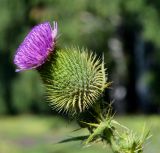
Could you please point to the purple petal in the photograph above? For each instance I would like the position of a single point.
(36, 47)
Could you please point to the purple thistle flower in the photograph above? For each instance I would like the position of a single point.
(36, 47)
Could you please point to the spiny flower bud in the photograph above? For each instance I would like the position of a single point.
(74, 79)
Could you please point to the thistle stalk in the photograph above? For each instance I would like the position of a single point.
(119, 137)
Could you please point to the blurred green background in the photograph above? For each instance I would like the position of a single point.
(125, 31)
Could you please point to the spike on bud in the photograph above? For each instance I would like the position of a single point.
(74, 79)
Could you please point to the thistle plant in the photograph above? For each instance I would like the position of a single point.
(75, 80)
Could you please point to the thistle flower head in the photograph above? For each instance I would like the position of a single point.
(74, 79)
(36, 47)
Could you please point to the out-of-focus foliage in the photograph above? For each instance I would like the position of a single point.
(92, 24)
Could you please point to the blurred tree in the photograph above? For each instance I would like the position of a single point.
(127, 32)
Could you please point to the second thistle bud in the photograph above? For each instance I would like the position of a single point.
(74, 79)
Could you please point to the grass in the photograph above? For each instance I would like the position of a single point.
(40, 134)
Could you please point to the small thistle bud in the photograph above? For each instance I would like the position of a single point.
(74, 79)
